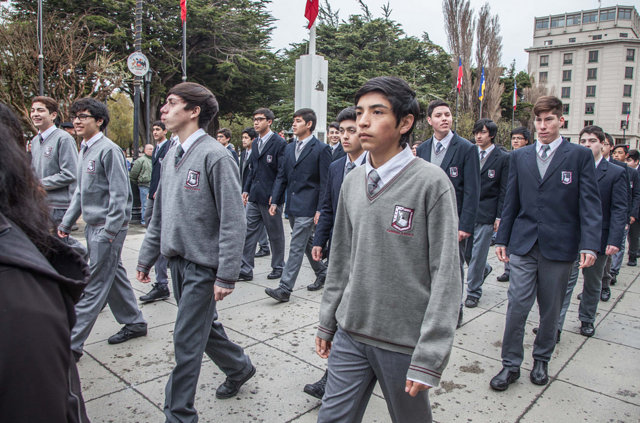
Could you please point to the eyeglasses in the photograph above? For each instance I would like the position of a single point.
(517, 138)
(259, 119)
(82, 117)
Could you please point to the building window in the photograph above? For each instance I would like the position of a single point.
(624, 35)
(573, 19)
(590, 17)
(591, 90)
(608, 15)
(624, 13)
(565, 125)
(631, 55)
(544, 76)
(548, 43)
(589, 108)
(544, 60)
(593, 56)
(568, 58)
(628, 73)
(566, 92)
(557, 22)
(626, 92)
(565, 109)
(566, 75)
(572, 40)
(597, 37)
(626, 108)
(542, 23)
(592, 73)
(588, 123)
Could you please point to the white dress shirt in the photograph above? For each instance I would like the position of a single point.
(357, 161)
(553, 146)
(191, 139)
(488, 150)
(445, 141)
(390, 169)
(48, 132)
(91, 140)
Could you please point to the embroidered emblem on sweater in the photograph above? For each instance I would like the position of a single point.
(91, 167)
(491, 173)
(269, 159)
(193, 179)
(566, 177)
(402, 218)
(453, 172)
(47, 151)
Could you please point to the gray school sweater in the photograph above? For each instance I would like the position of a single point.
(394, 275)
(198, 212)
(55, 163)
(103, 195)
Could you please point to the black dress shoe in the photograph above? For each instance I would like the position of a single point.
(460, 317)
(245, 277)
(471, 302)
(535, 330)
(318, 284)
(632, 261)
(275, 274)
(614, 279)
(159, 292)
(539, 374)
(503, 278)
(316, 390)
(493, 242)
(126, 334)
(502, 380)
(263, 253)
(230, 388)
(76, 355)
(278, 294)
(579, 296)
(486, 273)
(587, 329)
(605, 294)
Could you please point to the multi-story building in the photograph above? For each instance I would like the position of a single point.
(591, 60)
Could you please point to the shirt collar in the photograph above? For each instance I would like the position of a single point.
(333, 147)
(445, 141)
(266, 137)
(306, 140)
(94, 139)
(160, 144)
(48, 132)
(192, 138)
(390, 169)
(488, 150)
(598, 161)
(554, 145)
(357, 161)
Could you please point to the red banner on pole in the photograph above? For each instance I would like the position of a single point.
(183, 10)
(311, 11)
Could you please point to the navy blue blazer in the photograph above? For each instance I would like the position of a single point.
(338, 153)
(462, 165)
(263, 169)
(244, 167)
(634, 181)
(613, 186)
(331, 197)
(561, 211)
(305, 180)
(156, 163)
(493, 186)
(233, 152)
(630, 206)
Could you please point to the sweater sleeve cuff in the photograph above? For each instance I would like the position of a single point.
(225, 283)
(110, 235)
(143, 268)
(424, 375)
(64, 228)
(593, 253)
(324, 333)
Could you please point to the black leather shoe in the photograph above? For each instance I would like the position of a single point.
(159, 292)
(471, 302)
(126, 334)
(579, 297)
(502, 380)
(614, 279)
(245, 277)
(539, 374)
(484, 277)
(263, 253)
(230, 388)
(316, 390)
(76, 355)
(535, 330)
(503, 278)
(278, 294)
(460, 317)
(318, 284)
(493, 242)
(605, 294)
(587, 329)
(632, 261)
(275, 274)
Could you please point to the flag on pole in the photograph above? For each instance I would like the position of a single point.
(628, 113)
(311, 11)
(481, 90)
(459, 74)
(515, 94)
(183, 10)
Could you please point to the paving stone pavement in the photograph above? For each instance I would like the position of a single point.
(592, 379)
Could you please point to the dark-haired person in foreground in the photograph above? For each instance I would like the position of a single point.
(103, 197)
(391, 300)
(459, 159)
(199, 225)
(41, 278)
(552, 214)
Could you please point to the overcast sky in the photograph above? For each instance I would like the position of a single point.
(418, 16)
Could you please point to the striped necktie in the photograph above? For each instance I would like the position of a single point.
(179, 154)
(439, 147)
(372, 183)
(545, 152)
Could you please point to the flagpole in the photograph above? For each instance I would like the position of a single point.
(515, 97)
(480, 110)
(455, 124)
(513, 118)
(184, 50)
(312, 40)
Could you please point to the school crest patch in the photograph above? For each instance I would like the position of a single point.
(91, 167)
(402, 218)
(269, 159)
(453, 172)
(193, 178)
(47, 151)
(566, 177)
(491, 173)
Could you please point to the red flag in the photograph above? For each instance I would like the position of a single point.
(459, 74)
(311, 11)
(183, 10)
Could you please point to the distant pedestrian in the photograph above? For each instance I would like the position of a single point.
(141, 176)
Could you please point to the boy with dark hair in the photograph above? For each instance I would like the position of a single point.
(386, 222)
(103, 197)
(199, 226)
(494, 175)
(337, 152)
(304, 176)
(224, 137)
(552, 214)
(459, 159)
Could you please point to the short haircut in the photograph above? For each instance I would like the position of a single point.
(416, 143)
(593, 130)
(308, 115)
(610, 139)
(266, 112)
(434, 104)
(486, 123)
(634, 155)
(401, 96)
(347, 114)
(51, 105)
(159, 124)
(195, 95)
(548, 103)
(97, 109)
(522, 131)
(66, 125)
(251, 132)
(625, 147)
(334, 125)
(224, 131)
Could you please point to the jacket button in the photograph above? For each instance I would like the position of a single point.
(540, 223)
(541, 207)
(540, 191)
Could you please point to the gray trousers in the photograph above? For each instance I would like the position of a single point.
(590, 292)
(197, 331)
(606, 274)
(161, 263)
(616, 260)
(634, 240)
(56, 216)
(533, 277)
(301, 244)
(353, 370)
(258, 219)
(263, 240)
(108, 283)
(478, 263)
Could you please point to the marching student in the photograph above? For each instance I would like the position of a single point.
(264, 162)
(459, 159)
(337, 152)
(103, 197)
(224, 137)
(199, 225)
(494, 174)
(552, 213)
(395, 242)
(304, 177)
(634, 229)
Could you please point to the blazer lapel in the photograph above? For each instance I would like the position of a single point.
(532, 163)
(558, 158)
(429, 148)
(601, 170)
(266, 148)
(491, 159)
(448, 155)
(306, 150)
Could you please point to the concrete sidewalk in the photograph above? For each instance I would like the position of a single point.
(592, 379)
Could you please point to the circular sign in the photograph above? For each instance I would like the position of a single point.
(138, 64)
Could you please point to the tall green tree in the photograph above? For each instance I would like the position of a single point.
(523, 109)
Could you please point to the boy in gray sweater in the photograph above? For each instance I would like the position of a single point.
(385, 221)
(103, 197)
(199, 225)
